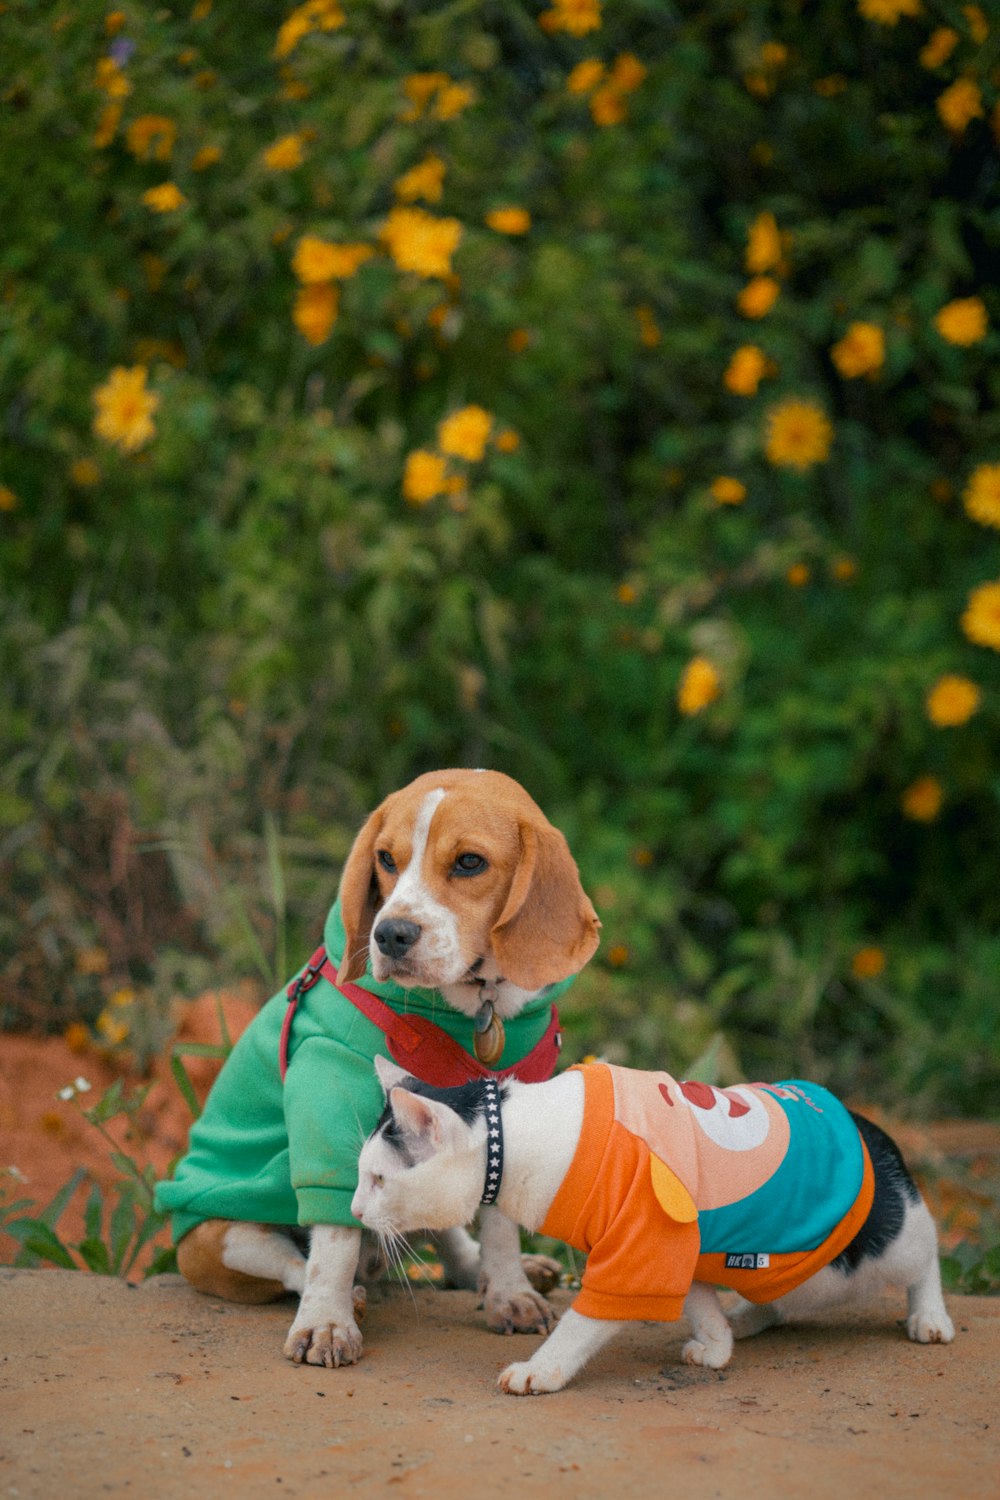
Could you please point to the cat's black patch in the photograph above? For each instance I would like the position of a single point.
(466, 1100)
(894, 1188)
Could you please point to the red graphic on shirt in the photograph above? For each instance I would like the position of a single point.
(708, 1098)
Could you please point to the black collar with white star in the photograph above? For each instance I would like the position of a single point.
(494, 1140)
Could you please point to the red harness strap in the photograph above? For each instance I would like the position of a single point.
(422, 1048)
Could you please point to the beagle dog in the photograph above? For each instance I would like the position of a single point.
(460, 915)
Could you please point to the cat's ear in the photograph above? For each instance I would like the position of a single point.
(390, 1076)
(427, 1121)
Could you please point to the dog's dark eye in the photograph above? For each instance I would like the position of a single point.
(469, 864)
(386, 860)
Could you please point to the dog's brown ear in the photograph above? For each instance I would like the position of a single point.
(359, 899)
(548, 928)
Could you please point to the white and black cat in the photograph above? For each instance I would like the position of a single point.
(671, 1188)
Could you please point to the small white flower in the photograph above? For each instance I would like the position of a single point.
(69, 1092)
(82, 1085)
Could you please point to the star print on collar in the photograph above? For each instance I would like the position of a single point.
(494, 1141)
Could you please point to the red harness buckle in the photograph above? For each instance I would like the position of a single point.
(414, 1042)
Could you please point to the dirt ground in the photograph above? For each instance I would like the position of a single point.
(112, 1390)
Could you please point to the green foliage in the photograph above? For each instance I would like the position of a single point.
(224, 641)
(118, 1225)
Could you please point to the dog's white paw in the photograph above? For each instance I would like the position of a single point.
(518, 1312)
(542, 1271)
(710, 1356)
(530, 1379)
(930, 1328)
(329, 1344)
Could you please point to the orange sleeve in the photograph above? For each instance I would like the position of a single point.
(642, 1263)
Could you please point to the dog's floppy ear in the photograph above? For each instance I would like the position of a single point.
(359, 899)
(548, 928)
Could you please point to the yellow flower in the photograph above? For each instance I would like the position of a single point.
(420, 89)
(109, 78)
(113, 1030)
(960, 104)
(963, 321)
(165, 199)
(317, 260)
(419, 242)
(107, 126)
(758, 297)
(507, 441)
(922, 799)
(977, 23)
(982, 495)
(939, 46)
(773, 55)
(952, 700)
(113, 22)
(8, 500)
(799, 434)
(285, 155)
(627, 72)
(315, 311)
(151, 137)
(518, 340)
(84, 473)
(728, 491)
(868, 963)
(76, 1036)
(206, 157)
(981, 621)
(860, 352)
(798, 575)
(125, 408)
(764, 244)
(888, 12)
(425, 180)
(830, 86)
(452, 99)
(315, 15)
(509, 220)
(585, 76)
(844, 569)
(464, 433)
(699, 686)
(425, 476)
(745, 370)
(607, 107)
(618, 955)
(649, 330)
(575, 16)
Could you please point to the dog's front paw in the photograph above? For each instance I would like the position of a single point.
(542, 1271)
(329, 1344)
(712, 1356)
(517, 1312)
(531, 1379)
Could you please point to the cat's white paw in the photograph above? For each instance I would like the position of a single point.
(518, 1312)
(531, 1379)
(329, 1344)
(710, 1356)
(930, 1328)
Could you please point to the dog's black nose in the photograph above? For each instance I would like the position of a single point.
(395, 937)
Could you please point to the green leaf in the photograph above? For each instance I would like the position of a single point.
(94, 1253)
(184, 1083)
(37, 1239)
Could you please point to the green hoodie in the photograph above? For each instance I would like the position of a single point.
(287, 1153)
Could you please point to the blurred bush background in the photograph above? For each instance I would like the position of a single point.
(607, 395)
